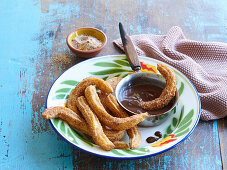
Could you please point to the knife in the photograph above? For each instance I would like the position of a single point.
(129, 49)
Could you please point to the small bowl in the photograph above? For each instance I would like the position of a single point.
(87, 31)
(161, 115)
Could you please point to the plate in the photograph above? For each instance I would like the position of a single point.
(175, 130)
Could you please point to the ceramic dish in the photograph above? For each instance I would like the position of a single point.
(176, 129)
(94, 32)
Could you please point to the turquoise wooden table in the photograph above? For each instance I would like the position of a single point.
(33, 53)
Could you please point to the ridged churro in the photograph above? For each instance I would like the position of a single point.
(66, 114)
(113, 135)
(95, 126)
(77, 122)
(113, 82)
(79, 90)
(117, 110)
(120, 145)
(168, 92)
(108, 120)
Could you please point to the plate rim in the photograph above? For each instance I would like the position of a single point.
(126, 157)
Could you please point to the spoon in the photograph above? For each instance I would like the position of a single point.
(141, 80)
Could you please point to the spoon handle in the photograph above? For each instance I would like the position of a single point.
(129, 49)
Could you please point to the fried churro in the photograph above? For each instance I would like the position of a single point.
(113, 135)
(108, 120)
(79, 90)
(113, 82)
(66, 114)
(117, 110)
(95, 126)
(168, 92)
(77, 122)
(120, 145)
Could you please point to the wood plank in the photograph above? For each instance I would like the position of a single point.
(40, 55)
(199, 151)
(222, 131)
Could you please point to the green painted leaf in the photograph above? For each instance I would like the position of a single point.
(125, 59)
(181, 89)
(174, 110)
(169, 130)
(63, 90)
(174, 122)
(181, 114)
(109, 71)
(69, 133)
(183, 127)
(165, 135)
(131, 152)
(62, 127)
(106, 64)
(187, 118)
(124, 75)
(121, 62)
(104, 78)
(142, 149)
(60, 96)
(81, 138)
(118, 75)
(114, 151)
(70, 82)
(182, 133)
(55, 122)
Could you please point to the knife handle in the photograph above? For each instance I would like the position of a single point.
(129, 49)
(131, 54)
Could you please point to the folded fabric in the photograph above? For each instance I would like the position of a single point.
(204, 63)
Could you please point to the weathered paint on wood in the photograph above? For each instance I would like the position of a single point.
(222, 129)
(34, 54)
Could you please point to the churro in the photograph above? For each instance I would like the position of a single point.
(108, 120)
(95, 126)
(113, 135)
(117, 110)
(120, 145)
(77, 122)
(79, 90)
(66, 114)
(113, 82)
(168, 92)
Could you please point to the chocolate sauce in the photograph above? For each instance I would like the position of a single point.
(134, 94)
(152, 139)
(159, 134)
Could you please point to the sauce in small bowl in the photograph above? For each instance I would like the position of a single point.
(144, 87)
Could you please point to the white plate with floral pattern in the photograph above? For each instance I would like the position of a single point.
(176, 129)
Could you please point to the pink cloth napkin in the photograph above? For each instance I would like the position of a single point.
(204, 63)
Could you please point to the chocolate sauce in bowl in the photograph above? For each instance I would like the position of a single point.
(134, 94)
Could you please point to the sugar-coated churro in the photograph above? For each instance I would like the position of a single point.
(110, 121)
(113, 82)
(79, 90)
(95, 126)
(73, 119)
(77, 122)
(120, 145)
(117, 110)
(113, 135)
(168, 92)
